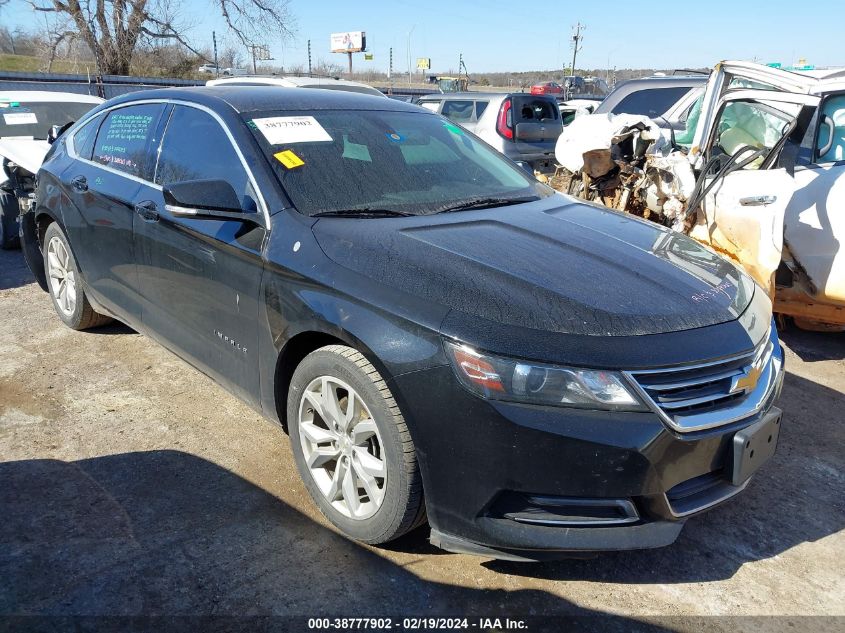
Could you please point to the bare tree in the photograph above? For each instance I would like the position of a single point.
(55, 40)
(113, 29)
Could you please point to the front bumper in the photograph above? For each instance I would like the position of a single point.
(528, 483)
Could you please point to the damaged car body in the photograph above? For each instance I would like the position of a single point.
(29, 121)
(759, 178)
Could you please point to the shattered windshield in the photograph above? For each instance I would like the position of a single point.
(385, 163)
(34, 119)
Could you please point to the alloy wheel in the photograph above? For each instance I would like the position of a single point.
(342, 447)
(61, 276)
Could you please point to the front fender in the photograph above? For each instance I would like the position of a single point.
(305, 292)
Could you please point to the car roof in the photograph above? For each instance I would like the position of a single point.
(294, 82)
(481, 95)
(257, 98)
(38, 96)
(664, 82)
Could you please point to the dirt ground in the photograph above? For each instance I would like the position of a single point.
(131, 484)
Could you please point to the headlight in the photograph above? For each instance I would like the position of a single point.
(501, 378)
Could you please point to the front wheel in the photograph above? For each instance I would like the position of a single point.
(65, 285)
(352, 446)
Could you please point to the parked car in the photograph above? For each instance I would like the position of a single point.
(520, 126)
(294, 81)
(234, 72)
(763, 183)
(208, 68)
(26, 119)
(670, 98)
(576, 107)
(442, 335)
(547, 88)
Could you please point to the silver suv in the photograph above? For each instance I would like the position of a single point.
(521, 126)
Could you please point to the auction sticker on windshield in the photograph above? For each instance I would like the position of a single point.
(19, 118)
(281, 130)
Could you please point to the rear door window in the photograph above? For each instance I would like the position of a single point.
(458, 111)
(124, 137)
(83, 139)
(651, 102)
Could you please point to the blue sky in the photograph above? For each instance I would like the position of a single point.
(496, 35)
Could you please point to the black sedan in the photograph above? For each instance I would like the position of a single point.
(444, 338)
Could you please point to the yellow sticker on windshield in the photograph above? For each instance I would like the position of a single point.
(289, 159)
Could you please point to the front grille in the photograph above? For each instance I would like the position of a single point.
(711, 394)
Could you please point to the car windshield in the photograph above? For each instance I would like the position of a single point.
(34, 119)
(381, 163)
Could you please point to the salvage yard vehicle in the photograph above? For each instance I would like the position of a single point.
(761, 183)
(659, 98)
(547, 88)
(295, 81)
(443, 336)
(26, 118)
(520, 126)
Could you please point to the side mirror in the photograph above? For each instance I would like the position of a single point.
(204, 199)
(56, 131)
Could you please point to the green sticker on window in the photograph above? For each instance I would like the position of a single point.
(454, 129)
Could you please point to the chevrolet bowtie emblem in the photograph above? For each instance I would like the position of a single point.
(746, 381)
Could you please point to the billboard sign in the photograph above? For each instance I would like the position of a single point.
(423, 63)
(349, 42)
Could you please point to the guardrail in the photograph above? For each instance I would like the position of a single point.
(108, 86)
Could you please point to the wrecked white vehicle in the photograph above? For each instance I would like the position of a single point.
(759, 176)
(27, 119)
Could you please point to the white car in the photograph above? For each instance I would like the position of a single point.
(208, 69)
(26, 118)
(327, 83)
(761, 181)
(782, 216)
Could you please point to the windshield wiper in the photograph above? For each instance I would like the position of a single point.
(362, 213)
(487, 203)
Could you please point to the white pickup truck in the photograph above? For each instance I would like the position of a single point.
(26, 118)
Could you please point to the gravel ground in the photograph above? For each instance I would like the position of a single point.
(131, 484)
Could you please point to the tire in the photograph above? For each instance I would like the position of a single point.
(65, 284)
(382, 513)
(9, 238)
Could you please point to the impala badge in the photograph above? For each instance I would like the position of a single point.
(229, 341)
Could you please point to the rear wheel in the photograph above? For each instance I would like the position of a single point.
(8, 221)
(65, 285)
(352, 446)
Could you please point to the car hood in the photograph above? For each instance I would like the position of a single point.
(27, 152)
(553, 265)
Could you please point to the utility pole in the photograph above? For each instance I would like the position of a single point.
(409, 54)
(576, 45)
(390, 73)
(309, 58)
(216, 65)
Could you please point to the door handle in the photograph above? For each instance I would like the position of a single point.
(757, 201)
(147, 210)
(80, 183)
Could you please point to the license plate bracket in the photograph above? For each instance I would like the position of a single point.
(755, 445)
